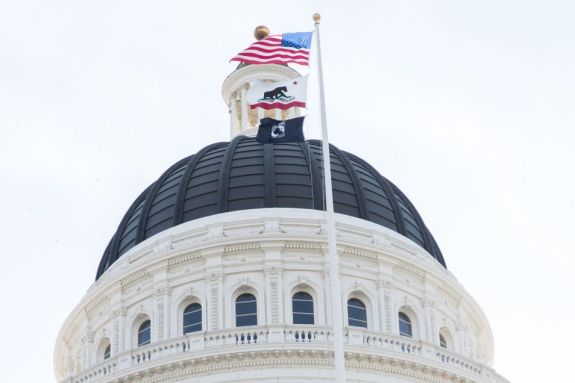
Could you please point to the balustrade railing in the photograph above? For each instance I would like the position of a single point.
(291, 334)
(307, 334)
(100, 370)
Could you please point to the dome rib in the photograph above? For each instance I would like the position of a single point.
(180, 198)
(316, 177)
(356, 182)
(430, 243)
(113, 254)
(270, 176)
(152, 195)
(386, 185)
(243, 174)
(223, 190)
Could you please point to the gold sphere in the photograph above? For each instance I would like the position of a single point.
(261, 32)
(316, 17)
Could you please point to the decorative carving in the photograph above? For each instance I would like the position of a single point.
(116, 336)
(214, 277)
(271, 226)
(185, 258)
(303, 246)
(215, 232)
(161, 317)
(380, 241)
(163, 247)
(128, 281)
(432, 326)
(387, 303)
(242, 284)
(275, 300)
(241, 248)
(214, 312)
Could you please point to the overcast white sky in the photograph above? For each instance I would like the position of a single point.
(468, 106)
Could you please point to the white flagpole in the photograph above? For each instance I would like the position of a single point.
(335, 282)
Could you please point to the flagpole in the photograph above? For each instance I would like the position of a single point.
(335, 282)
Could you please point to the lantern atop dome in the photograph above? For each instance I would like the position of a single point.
(244, 120)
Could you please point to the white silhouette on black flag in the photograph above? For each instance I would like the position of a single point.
(273, 131)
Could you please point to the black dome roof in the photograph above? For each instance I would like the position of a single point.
(243, 174)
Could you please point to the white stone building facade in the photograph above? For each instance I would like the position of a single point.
(272, 254)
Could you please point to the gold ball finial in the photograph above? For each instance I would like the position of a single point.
(261, 32)
(316, 17)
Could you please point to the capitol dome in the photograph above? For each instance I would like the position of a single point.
(230, 268)
(243, 174)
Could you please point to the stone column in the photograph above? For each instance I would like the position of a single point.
(215, 301)
(162, 312)
(233, 115)
(214, 281)
(273, 270)
(432, 335)
(244, 102)
(88, 348)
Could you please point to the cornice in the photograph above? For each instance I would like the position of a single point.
(302, 355)
(133, 278)
(185, 258)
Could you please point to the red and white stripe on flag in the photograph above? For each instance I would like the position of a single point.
(278, 95)
(271, 51)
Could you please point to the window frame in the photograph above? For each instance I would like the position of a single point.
(408, 322)
(201, 318)
(107, 351)
(365, 311)
(253, 314)
(311, 314)
(140, 331)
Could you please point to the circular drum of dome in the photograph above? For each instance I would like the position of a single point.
(243, 174)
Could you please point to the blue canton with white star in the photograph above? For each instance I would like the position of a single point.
(297, 40)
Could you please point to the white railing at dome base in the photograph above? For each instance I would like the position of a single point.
(204, 344)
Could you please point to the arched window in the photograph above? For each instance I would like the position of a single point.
(144, 333)
(302, 308)
(405, 327)
(107, 352)
(246, 310)
(193, 318)
(356, 313)
(445, 338)
(442, 341)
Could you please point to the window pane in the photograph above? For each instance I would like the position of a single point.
(405, 325)
(442, 341)
(302, 308)
(357, 323)
(246, 320)
(301, 295)
(356, 313)
(302, 318)
(107, 352)
(193, 318)
(144, 334)
(245, 297)
(246, 310)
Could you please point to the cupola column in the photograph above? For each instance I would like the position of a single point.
(233, 107)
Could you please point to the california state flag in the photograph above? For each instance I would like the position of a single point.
(278, 95)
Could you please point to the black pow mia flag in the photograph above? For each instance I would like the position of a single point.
(273, 131)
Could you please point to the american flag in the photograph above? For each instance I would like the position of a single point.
(278, 49)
